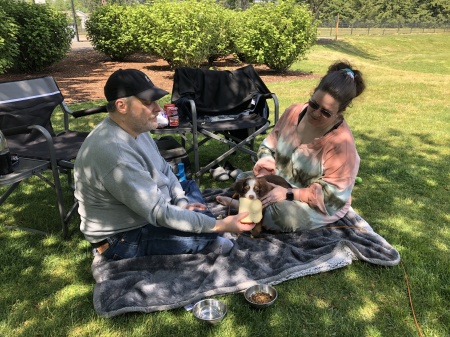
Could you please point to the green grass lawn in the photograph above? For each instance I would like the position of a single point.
(402, 129)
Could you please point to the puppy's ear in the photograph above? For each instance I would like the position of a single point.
(238, 186)
(264, 187)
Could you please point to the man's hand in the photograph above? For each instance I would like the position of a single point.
(233, 224)
(196, 206)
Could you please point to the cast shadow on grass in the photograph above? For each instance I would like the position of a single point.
(392, 171)
(47, 282)
(403, 171)
(346, 48)
(404, 196)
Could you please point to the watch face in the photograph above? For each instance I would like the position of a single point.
(289, 195)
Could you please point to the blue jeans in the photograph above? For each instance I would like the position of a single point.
(152, 240)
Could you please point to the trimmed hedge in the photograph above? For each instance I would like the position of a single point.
(43, 34)
(9, 48)
(190, 33)
(276, 35)
(113, 31)
(186, 33)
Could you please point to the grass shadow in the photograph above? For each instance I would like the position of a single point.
(346, 48)
(393, 170)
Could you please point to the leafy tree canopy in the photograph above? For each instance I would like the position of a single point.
(382, 11)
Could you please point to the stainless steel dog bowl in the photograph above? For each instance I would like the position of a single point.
(261, 295)
(210, 311)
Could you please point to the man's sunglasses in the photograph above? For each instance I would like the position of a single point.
(316, 106)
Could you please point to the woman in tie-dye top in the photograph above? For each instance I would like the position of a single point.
(312, 147)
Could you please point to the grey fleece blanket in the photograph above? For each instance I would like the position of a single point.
(165, 282)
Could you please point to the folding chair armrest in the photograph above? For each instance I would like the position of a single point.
(51, 151)
(194, 116)
(89, 111)
(194, 137)
(193, 109)
(79, 113)
(47, 136)
(189, 104)
(275, 103)
(277, 107)
(41, 129)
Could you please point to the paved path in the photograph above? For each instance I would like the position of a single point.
(82, 44)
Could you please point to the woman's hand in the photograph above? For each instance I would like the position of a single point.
(264, 172)
(277, 194)
(233, 224)
(264, 166)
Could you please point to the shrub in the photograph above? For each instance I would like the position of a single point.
(9, 48)
(113, 31)
(144, 21)
(189, 33)
(223, 44)
(44, 35)
(274, 34)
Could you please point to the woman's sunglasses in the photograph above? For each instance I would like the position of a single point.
(316, 106)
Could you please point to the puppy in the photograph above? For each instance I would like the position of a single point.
(256, 188)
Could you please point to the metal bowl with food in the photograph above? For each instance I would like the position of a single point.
(261, 295)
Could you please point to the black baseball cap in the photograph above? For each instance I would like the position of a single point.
(131, 82)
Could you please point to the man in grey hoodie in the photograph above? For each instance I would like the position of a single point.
(130, 202)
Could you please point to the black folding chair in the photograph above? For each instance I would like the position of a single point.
(26, 108)
(227, 106)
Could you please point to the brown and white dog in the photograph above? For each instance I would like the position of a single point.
(255, 188)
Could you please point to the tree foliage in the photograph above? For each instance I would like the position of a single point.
(394, 12)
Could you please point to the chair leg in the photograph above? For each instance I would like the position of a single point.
(195, 147)
(234, 146)
(8, 192)
(61, 207)
(56, 185)
(67, 218)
